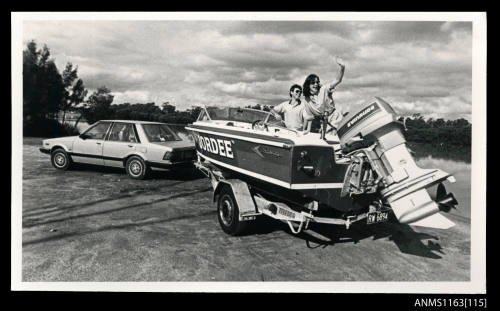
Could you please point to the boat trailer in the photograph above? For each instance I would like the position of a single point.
(237, 206)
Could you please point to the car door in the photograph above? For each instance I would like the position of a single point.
(87, 148)
(121, 140)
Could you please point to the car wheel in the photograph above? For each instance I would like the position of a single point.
(60, 159)
(136, 168)
(228, 213)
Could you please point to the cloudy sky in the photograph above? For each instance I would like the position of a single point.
(419, 67)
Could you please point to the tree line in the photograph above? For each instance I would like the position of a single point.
(100, 108)
(438, 131)
(48, 93)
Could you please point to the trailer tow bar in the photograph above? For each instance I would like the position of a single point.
(299, 229)
(349, 221)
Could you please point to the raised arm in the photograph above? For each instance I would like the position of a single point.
(340, 74)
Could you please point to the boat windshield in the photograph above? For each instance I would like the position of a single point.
(236, 114)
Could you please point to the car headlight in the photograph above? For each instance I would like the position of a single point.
(168, 155)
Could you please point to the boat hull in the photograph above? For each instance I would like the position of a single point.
(272, 159)
(276, 165)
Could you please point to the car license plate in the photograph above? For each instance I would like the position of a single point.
(377, 216)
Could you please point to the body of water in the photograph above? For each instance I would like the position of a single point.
(441, 151)
(456, 162)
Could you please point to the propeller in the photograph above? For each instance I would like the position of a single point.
(446, 201)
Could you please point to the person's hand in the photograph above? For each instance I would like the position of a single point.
(339, 61)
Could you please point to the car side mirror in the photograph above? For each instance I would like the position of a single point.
(83, 136)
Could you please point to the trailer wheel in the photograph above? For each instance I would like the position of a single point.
(228, 212)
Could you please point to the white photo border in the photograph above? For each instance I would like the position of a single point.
(477, 283)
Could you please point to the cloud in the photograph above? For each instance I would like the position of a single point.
(343, 29)
(264, 91)
(416, 31)
(427, 92)
(421, 67)
(131, 97)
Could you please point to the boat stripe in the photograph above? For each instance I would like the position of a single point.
(316, 186)
(255, 140)
(239, 131)
(274, 180)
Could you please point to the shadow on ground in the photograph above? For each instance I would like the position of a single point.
(321, 235)
(406, 239)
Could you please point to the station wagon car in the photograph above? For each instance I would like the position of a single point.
(137, 146)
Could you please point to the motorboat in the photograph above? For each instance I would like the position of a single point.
(253, 143)
(365, 167)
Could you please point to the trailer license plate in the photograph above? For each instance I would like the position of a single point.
(377, 216)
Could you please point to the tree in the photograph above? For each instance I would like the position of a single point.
(194, 112)
(74, 90)
(97, 106)
(43, 87)
(257, 106)
(461, 123)
(167, 108)
(121, 111)
(439, 123)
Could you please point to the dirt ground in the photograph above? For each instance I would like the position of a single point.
(96, 224)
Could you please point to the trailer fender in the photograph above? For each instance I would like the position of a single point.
(242, 195)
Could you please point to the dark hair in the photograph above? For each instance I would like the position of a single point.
(293, 87)
(306, 88)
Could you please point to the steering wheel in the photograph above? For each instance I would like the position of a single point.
(259, 125)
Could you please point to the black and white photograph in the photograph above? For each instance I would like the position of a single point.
(329, 152)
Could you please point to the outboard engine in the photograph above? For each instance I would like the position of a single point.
(381, 163)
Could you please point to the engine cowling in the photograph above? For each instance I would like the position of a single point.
(373, 134)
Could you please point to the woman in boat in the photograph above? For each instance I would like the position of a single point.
(292, 110)
(318, 101)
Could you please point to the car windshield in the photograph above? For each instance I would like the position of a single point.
(236, 114)
(97, 131)
(159, 133)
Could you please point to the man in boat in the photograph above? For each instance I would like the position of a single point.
(292, 110)
(318, 101)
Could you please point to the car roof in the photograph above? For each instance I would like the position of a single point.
(132, 121)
